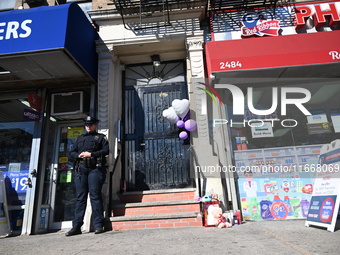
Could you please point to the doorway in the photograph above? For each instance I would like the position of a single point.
(63, 189)
(154, 156)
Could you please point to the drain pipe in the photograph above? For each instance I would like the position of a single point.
(109, 204)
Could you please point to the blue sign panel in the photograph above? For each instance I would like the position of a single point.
(49, 28)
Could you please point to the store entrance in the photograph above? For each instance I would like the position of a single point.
(63, 189)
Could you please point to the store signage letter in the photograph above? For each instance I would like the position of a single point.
(319, 15)
(238, 100)
(15, 30)
(334, 54)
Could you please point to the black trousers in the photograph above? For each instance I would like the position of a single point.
(87, 181)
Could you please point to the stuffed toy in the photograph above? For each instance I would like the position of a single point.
(214, 197)
(206, 198)
(220, 219)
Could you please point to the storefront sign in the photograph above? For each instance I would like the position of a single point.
(319, 15)
(31, 115)
(272, 52)
(14, 29)
(35, 101)
(258, 24)
(334, 54)
(50, 28)
(297, 18)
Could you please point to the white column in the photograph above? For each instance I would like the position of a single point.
(203, 147)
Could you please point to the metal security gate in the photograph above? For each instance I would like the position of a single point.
(155, 158)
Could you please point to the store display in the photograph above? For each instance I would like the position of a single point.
(276, 183)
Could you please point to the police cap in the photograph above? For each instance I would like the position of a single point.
(90, 120)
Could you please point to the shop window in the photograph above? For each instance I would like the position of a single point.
(250, 131)
(7, 5)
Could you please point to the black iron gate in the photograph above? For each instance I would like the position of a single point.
(155, 158)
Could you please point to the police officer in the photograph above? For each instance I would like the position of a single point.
(89, 153)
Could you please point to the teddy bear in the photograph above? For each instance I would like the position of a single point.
(220, 219)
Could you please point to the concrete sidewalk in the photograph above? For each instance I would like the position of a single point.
(264, 237)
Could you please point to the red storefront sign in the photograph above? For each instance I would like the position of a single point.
(35, 101)
(270, 52)
(321, 16)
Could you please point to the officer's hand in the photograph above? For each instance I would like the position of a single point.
(85, 154)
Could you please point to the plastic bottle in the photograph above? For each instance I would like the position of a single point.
(254, 209)
(295, 206)
(304, 204)
(286, 200)
(239, 217)
(245, 209)
(231, 217)
(235, 219)
(265, 209)
(279, 209)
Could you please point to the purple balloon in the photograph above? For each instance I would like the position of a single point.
(186, 117)
(190, 125)
(183, 135)
(180, 123)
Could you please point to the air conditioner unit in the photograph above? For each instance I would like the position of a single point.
(64, 104)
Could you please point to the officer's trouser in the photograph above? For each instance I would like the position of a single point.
(89, 180)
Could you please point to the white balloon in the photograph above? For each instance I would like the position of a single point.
(170, 115)
(181, 107)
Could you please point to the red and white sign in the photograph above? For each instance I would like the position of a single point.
(284, 20)
(317, 15)
(276, 51)
(259, 24)
(35, 101)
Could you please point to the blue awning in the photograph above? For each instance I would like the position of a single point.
(48, 42)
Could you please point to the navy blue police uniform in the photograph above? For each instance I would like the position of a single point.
(89, 177)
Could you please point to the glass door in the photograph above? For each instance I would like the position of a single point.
(63, 189)
(18, 148)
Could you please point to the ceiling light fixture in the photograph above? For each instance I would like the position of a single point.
(156, 61)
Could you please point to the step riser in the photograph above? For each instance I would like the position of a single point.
(165, 210)
(157, 197)
(155, 210)
(165, 223)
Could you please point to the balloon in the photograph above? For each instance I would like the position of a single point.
(170, 115)
(183, 135)
(180, 123)
(181, 107)
(186, 117)
(190, 125)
